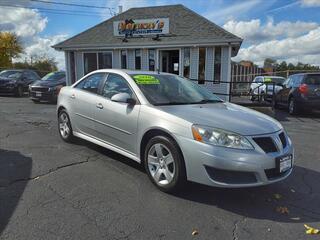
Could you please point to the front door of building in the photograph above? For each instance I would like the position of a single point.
(169, 61)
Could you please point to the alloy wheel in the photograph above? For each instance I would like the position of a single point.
(161, 164)
(64, 126)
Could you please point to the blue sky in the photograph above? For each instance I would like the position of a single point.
(282, 29)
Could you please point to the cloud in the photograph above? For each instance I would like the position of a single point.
(305, 48)
(28, 25)
(231, 10)
(254, 31)
(310, 3)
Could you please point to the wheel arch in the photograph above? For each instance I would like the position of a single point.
(150, 133)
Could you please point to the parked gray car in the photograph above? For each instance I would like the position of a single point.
(179, 130)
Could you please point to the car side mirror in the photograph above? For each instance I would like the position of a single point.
(123, 98)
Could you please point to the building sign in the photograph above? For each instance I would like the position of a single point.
(140, 27)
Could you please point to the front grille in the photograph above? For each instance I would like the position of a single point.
(273, 173)
(230, 177)
(283, 139)
(39, 89)
(266, 144)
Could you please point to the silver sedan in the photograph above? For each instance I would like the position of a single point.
(177, 129)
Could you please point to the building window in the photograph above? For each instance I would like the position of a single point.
(202, 64)
(72, 68)
(186, 62)
(138, 59)
(90, 62)
(217, 64)
(123, 59)
(152, 58)
(105, 60)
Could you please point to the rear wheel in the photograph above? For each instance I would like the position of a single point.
(64, 125)
(164, 164)
(19, 91)
(292, 107)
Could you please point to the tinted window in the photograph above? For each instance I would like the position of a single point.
(152, 57)
(90, 62)
(138, 58)
(11, 74)
(115, 84)
(91, 83)
(123, 59)
(30, 76)
(54, 76)
(312, 79)
(296, 81)
(105, 60)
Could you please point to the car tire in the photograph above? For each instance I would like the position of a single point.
(164, 164)
(64, 126)
(19, 91)
(292, 107)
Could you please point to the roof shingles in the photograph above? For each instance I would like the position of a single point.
(185, 26)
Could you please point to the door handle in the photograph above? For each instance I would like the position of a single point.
(99, 105)
(73, 96)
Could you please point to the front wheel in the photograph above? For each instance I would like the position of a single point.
(64, 125)
(164, 164)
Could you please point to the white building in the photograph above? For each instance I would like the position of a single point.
(165, 38)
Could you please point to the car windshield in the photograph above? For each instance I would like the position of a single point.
(54, 76)
(274, 80)
(313, 79)
(172, 90)
(10, 74)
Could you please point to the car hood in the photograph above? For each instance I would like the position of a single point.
(226, 116)
(43, 83)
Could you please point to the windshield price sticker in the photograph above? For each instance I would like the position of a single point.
(267, 80)
(146, 79)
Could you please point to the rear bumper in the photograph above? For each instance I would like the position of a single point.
(308, 103)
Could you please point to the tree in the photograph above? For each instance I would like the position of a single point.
(269, 63)
(42, 64)
(10, 47)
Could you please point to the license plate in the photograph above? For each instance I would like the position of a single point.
(38, 94)
(284, 163)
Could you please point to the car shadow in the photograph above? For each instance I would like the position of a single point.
(283, 115)
(299, 194)
(15, 170)
(293, 200)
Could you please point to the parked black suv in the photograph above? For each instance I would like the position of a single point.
(300, 91)
(16, 81)
(47, 89)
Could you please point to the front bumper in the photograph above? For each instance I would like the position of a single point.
(226, 167)
(8, 89)
(48, 96)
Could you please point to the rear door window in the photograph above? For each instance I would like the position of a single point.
(312, 79)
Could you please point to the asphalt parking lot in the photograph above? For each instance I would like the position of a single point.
(53, 190)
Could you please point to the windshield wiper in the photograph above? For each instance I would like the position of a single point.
(207, 101)
(172, 103)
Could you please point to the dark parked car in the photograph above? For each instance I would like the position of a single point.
(16, 81)
(47, 89)
(300, 91)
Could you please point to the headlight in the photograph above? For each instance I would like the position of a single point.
(219, 137)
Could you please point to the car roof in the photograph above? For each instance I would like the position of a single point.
(131, 72)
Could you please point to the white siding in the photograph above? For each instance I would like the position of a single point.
(194, 62)
(130, 59)
(144, 60)
(116, 59)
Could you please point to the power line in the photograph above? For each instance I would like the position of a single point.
(54, 11)
(72, 4)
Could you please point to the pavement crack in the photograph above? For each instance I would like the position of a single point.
(53, 170)
(236, 227)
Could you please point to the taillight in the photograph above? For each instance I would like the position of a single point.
(303, 89)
